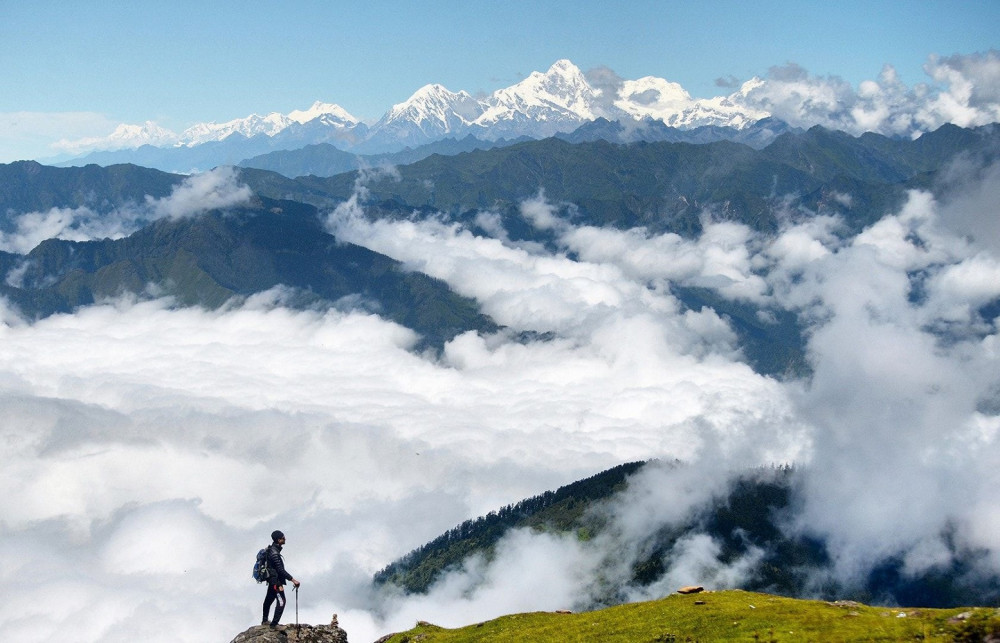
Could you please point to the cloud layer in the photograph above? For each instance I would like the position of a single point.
(149, 450)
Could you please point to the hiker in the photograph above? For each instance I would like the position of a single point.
(276, 577)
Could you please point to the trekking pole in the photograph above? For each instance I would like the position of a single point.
(296, 607)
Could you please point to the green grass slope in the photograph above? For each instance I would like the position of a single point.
(731, 615)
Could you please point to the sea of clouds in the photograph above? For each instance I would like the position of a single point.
(147, 450)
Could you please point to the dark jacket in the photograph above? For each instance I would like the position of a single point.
(276, 574)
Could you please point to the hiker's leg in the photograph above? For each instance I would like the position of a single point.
(268, 599)
(279, 606)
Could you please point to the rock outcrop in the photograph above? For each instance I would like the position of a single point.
(331, 633)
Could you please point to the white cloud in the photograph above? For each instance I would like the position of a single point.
(972, 89)
(892, 404)
(551, 572)
(964, 90)
(697, 560)
(71, 224)
(217, 188)
(969, 207)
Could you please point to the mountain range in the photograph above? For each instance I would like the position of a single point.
(660, 186)
(558, 101)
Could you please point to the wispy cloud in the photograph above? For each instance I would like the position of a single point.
(218, 188)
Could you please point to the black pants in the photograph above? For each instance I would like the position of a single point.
(274, 595)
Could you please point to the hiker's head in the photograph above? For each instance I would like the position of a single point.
(277, 536)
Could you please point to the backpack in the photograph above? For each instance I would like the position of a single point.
(260, 571)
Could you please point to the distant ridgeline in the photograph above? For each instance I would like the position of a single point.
(662, 186)
(749, 515)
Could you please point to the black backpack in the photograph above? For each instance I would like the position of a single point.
(260, 566)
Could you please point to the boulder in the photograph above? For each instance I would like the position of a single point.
(294, 634)
(691, 589)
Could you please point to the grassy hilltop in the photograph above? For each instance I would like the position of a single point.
(731, 615)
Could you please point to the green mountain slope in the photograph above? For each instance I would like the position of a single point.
(210, 259)
(660, 185)
(666, 186)
(324, 159)
(27, 186)
(559, 510)
(748, 517)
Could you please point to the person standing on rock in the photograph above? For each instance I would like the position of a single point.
(276, 577)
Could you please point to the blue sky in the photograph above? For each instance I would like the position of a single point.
(182, 62)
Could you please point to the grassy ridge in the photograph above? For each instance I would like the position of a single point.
(731, 615)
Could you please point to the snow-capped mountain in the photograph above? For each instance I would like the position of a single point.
(543, 104)
(560, 100)
(270, 125)
(125, 136)
(325, 115)
(556, 101)
(431, 113)
(252, 125)
(329, 113)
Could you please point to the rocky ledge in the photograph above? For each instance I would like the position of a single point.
(294, 634)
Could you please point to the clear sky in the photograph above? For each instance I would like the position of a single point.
(102, 63)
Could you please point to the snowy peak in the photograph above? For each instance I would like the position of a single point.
(434, 107)
(432, 112)
(252, 125)
(556, 100)
(563, 86)
(328, 112)
(125, 136)
(147, 133)
(543, 104)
